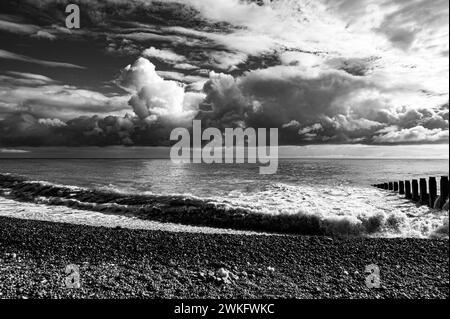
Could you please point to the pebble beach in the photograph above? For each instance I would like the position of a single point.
(133, 263)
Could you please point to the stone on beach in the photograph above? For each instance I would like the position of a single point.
(155, 264)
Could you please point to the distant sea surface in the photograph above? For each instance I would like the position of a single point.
(334, 193)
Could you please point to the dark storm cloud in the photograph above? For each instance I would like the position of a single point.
(316, 110)
(285, 65)
(26, 130)
(306, 110)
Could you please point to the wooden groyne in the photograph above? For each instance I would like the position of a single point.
(422, 191)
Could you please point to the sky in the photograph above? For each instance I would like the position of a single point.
(324, 72)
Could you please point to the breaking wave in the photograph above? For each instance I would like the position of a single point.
(244, 212)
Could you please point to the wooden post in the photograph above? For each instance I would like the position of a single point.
(408, 194)
(415, 190)
(401, 188)
(433, 191)
(391, 186)
(423, 192)
(444, 191)
(396, 186)
(386, 186)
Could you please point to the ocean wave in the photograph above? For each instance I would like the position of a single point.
(244, 212)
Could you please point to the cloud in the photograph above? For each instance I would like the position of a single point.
(13, 56)
(27, 130)
(417, 134)
(225, 104)
(164, 55)
(52, 122)
(323, 71)
(13, 151)
(185, 66)
(149, 36)
(293, 123)
(122, 47)
(154, 97)
(325, 106)
(181, 77)
(24, 79)
(26, 29)
(31, 76)
(354, 66)
(309, 129)
(18, 28)
(45, 98)
(227, 60)
(44, 35)
(300, 58)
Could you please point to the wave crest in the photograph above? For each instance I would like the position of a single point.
(195, 211)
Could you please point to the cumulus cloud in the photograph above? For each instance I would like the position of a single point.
(154, 97)
(325, 107)
(323, 71)
(224, 105)
(307, 109)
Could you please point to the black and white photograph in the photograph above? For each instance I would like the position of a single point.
(224, 155)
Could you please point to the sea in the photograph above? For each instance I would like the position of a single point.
(307, 196)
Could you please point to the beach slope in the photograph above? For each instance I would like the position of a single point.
(125, 263)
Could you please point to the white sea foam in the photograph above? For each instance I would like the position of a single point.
(313, 197)
(381, 213)
(343, 209)
(42, 212)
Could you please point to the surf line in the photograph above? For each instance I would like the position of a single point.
(221, 148)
